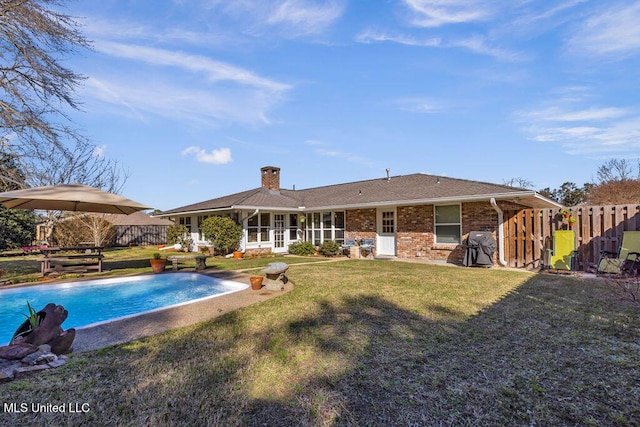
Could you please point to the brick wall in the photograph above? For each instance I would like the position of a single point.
(415, 229)
(360, 223)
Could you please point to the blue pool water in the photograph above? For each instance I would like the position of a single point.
(94, 301)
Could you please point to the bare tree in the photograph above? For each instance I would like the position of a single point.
(618, 170)
(518, 182)
(34, 86)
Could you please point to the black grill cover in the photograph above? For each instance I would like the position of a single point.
(479, 250)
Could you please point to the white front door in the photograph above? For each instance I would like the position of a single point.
(386, 241)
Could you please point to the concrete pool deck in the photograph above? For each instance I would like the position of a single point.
(145, 325)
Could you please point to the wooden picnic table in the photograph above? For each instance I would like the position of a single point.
(71, 258)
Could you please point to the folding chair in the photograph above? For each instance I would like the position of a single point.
(626, 261)
(563, 253)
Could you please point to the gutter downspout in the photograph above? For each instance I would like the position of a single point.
(500, 233)
(242, 220)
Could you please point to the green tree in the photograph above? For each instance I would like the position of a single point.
(569, 194)
(178, 233)
(222, 232)
(17, 226)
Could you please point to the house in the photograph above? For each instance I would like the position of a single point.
(409, 216)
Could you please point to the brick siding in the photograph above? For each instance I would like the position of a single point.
(415, 229)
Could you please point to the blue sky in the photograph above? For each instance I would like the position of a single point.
(193, 97)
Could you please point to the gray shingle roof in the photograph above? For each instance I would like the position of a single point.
(403, 189)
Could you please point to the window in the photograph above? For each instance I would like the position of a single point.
(388, 222)
(258, 227)
(201, 218)
(293, 227)
(447, 224)
(186, 221)
(325, 226)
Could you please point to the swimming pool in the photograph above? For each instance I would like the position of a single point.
(91, 302)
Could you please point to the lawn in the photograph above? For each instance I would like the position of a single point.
(362, 342)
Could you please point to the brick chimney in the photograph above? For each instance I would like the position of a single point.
(271, 178)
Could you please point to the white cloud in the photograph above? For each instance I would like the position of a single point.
(214, 70)
(305, 17)
(186, 103)
(476, 44)
(218, 156)
(286, 18)
(350, 157)
(610, 31)
(369, 36)
(592, 130)
(99, 151)
(419, 105)
(556, 114)
(435, 13)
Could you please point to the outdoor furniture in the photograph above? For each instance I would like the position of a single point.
(345, 248)
(201, 261)
(626, 261)
(71, 259)
(275, 277)
(563, 254)
(366, 247)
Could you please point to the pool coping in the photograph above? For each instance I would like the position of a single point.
(153, 323)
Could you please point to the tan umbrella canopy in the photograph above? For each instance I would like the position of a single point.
(69, 197)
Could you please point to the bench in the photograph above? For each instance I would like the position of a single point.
(71, 263)
(201, 260)
(275, 277)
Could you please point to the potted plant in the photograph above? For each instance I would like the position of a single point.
(571, 221)
(32, 322)
(158, 263)
(566, 213)
(256, 282)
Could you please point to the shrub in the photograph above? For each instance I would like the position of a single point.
(329, 248)
(302, 248)
(178, 233)
(222, 232)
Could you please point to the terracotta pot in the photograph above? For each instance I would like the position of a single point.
(158, 265)
(256, 282)
(237, 254)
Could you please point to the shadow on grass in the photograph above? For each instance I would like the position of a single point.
(553, 351)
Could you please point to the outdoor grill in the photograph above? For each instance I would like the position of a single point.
(479, 249)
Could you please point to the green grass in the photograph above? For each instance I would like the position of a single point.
(372, 343)
(120, 261)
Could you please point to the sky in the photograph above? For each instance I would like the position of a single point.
(193, 97)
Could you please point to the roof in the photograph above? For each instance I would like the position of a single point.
(396, 190)
(137, 218)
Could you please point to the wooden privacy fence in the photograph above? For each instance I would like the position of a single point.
(140, 235)
(529, 232)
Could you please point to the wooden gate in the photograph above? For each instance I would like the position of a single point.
(529, 232)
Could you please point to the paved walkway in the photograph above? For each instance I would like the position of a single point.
(125, 330)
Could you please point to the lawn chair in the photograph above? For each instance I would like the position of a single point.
(563, 254)
(345, 248)
(626, 261)
(366, 247)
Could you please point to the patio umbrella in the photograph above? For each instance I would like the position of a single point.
(69, 197)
